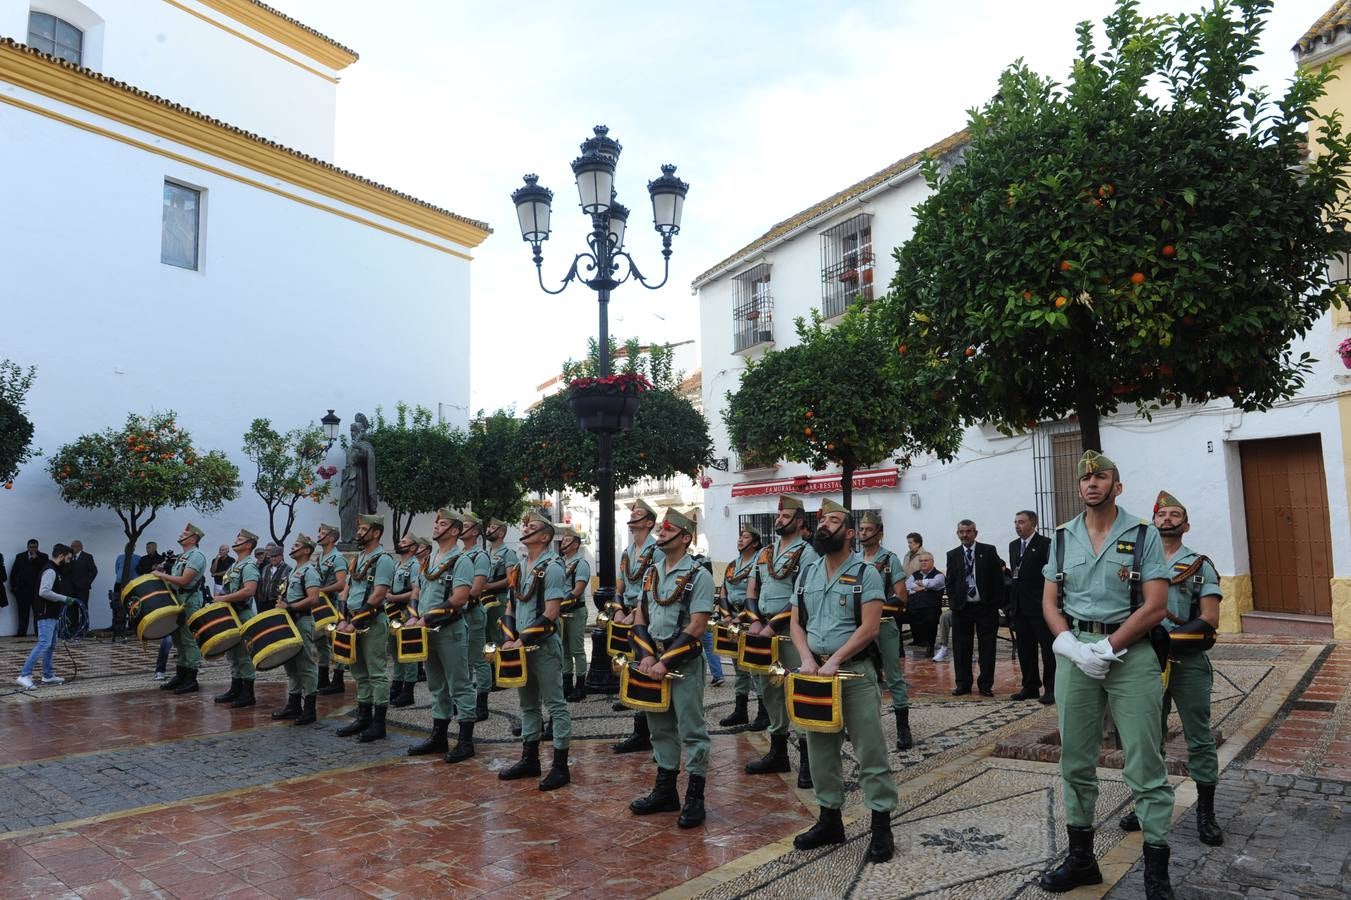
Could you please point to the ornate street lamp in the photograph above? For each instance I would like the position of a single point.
(599, 268)
(330, 423)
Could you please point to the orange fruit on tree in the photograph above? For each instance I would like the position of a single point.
(901, 349)
(809, 414)
(1062, 302)
(970, 352)
(1169, 251)
(1137, 278)
(1066, 265)
(807, 431)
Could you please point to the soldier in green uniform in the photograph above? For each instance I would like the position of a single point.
(633, 565)
(442, 604)
(504, 560)
(835, 622)
(187, 576)
(397, 604)
(769, 604)
(577, 573)
(1194, 607)
(672, 616)
(371, 577)
(735, 580)
(1106, 589)
(480, 563)
(332, 566)
(891, 569)
(240, 583)
(531, 620)
(302, 594)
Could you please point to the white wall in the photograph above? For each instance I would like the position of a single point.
(295, 310)
(164, 50)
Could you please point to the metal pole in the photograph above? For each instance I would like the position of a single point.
(599, 677)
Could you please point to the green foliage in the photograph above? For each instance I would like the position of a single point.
(16, 431)
(287, 470)
(420, 464)
(832, 400)
(492, 441)
(147, 464)
(1152, 232)
(656, 364)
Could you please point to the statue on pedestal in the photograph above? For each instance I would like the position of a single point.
(358, 495)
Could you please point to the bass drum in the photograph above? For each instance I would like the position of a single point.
(152, 607)
(272, 638)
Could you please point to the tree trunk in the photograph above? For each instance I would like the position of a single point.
(1090, 429)
(847, 480)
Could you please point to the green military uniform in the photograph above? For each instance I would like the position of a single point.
(503, 560)
(302, 675)
(573, 619)
(189, 656)
(831, 605)
(240, 574)
(447, 670)
(888, 567)
(541, 581)
(369, 571)
(1190, 675)
(405, 573)
(777, 570)
(633, 565)
(476, 562)
(328, 565)
(734, 583)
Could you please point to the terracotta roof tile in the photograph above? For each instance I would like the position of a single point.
(1336, 19)
(942, 148)
(303, 27)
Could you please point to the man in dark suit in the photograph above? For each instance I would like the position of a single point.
(24, 576)
(975, 583)
(269, 578)
(79, 574)
(1027, 554)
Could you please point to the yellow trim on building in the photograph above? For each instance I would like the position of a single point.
(284, 30)
(1341, 609)
(1237, 601)
(121, 103)
(244, 37)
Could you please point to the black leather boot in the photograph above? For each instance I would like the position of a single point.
(396, 695)
(526, 767)
(1079, 867)
(558, 772)
(376, 730)
(881, 845)
(308, 715)
(1129, 822)
(641, 739)
(567, 685)
(323, 678)
(761, 720)
(464, 745)
(1157, 885)
(357, 725)
(904, 740)
(231, 693)
(335, 686)
(829, 829)
(291, 710)
(481, 711)
(548, 734)
(175, 681)
(740, 714)
(776, 760)
(434, 744)
(692, 813)
(804, 766)
(663, 798)
(578, 693)
(246, 697)
(189, 685)
(1207, 829)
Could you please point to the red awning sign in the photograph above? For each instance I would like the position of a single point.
(866, 479)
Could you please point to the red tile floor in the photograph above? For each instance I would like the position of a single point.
(1315, 738)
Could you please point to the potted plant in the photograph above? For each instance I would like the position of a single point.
(1344, 351)
(606, 404)
(849, 275)
(753, 315)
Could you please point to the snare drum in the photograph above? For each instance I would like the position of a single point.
(325, 614)
(272, 638)
(509, 667)
(410, 644)
(813, 702)
(617, 640)
(757, 652)
(216, 628)
(152, 606)
(725, 642)
(345, 647)
(638, 691)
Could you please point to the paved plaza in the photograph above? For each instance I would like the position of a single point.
(109, 788)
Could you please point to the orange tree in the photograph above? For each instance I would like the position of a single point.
(147, 464)
(492, 439)
(16, 431)
(420, 465)
(1153, 232)
(288, 470)
(833, 400)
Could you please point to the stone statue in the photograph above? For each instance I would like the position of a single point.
(359, 494)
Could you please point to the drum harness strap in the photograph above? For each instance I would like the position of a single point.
(570, 603)
(679, 648)
(872, 652)
(543, 626)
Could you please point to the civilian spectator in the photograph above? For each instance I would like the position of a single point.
(1028, 553)
(914, 543)
(271, 578)
(120, 568)
(975, 580)
(52, 597)
(79, 575)
(942, 653)
(221, 564)
(24, 576)
(925, 605)
(151, 561)
(4, 596)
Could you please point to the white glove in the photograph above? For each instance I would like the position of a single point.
(1082, 655)
(1103, 650)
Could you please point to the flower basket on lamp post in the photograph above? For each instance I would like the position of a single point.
(606, 404)
(1344, 351)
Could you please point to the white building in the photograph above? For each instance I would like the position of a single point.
(201, 253)
(1266, 492)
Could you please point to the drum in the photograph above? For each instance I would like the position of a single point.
(509, 667)
(757, 652)
(813, 702)
(345, 647)
(410, 644)
(152, 606)
(272, 638)
(726, 643)
(637, 691)
(325, 614)
(216, 628)
(617, 639)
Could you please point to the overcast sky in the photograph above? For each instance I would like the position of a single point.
(765, 107)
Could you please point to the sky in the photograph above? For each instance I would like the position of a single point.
(766, 108)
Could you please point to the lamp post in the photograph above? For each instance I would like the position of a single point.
(599, 268)
(330, 423)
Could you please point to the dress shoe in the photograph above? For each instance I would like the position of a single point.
(960, 692)
(1024, 695)
(986, 692)
(1046, 699)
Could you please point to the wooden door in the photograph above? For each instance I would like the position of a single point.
(1289, 534)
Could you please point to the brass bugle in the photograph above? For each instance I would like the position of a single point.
(490, 649)
(621, 662)
(778, 674)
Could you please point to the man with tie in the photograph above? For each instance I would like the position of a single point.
(80, 573)
(1027, 555)
(975, 581)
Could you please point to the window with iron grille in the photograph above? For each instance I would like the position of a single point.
(55, 36)
(753, 318)
(764, 523)
(846, 264)
(1056, 448)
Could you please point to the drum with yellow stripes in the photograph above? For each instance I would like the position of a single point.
(757, 652)
(814, 702)
(325, 614)
(726, 642)
(216, 628)
(345, 647)
(152, 607)
(617, 639)
(272, 638)
(640, 692)
(410, 644)
(509, 667)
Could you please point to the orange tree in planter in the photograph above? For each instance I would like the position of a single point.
(1096, 244)
(147, 464)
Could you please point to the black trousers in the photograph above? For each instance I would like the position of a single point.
(972, 625)
(1034, 637)
(23, 607)
(923, 627)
